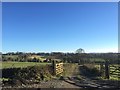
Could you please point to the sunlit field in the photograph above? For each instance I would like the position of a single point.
(20, 64)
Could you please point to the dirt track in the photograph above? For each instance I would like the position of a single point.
(72, 82)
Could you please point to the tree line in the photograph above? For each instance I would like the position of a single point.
(64, 57)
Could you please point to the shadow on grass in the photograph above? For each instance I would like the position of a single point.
(9, 72)
(88, 80)
(89, 72)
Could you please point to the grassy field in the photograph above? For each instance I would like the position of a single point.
(115, 72)
(114, 69)
(20, 64)
(14, 57)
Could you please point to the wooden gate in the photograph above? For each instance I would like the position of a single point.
(57, 68)
(110, 70)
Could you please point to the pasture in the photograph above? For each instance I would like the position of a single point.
(114, 69)
(20, 64)
(115, 72)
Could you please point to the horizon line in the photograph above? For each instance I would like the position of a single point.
(52, 52)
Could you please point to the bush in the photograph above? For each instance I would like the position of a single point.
(89, 70)
(30, 75)
(70, 69)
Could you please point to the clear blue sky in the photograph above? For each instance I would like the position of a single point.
(47, 27)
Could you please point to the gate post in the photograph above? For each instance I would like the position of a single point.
(101, 69)
(54, 67)
(107, 69)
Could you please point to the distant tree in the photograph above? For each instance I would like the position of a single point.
(35, 59)
(80, 50)
(4, 58)
(9, 59)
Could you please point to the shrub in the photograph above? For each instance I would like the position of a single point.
(89, 70)
(70, 69)
(31, 74)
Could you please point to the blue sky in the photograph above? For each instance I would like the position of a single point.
(47, 27)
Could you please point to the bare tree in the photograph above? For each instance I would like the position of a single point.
(80, 50)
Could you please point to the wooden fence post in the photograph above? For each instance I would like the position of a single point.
(54, 66)
(107, 69)
(101, 69)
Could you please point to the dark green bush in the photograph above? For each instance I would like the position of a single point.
(35, 73)
(89, 71)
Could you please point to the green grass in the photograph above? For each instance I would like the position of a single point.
(4, 79)
(114, 72)
(97, 60)
(70, 69)
(20, 64)
(13, 57)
